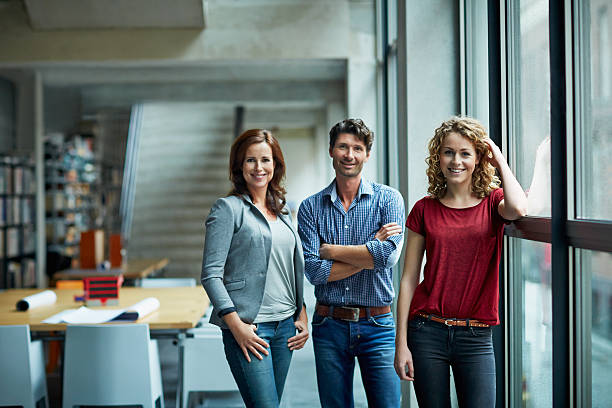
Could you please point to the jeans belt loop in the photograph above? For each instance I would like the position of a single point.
(331, 311)
(368, 315)
(467, 323)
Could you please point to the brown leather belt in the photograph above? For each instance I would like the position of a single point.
(453, 322)
(351, 314)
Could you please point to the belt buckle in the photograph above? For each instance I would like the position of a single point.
(355, 311)
(446, 322)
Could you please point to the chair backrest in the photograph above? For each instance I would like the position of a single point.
(204, 365)
(107, 361)
(15, 369)
(167, 282)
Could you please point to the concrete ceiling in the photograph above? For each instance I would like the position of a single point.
(280, 70)
(104, 14)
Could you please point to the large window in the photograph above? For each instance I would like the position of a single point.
(579, 255)
(595, 268)
(530, 91)
(529, 143)
(595, 97)
(536, 332)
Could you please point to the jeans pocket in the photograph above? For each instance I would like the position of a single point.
(384, 320)
(415, 324)
(480, 331)
(318, 320)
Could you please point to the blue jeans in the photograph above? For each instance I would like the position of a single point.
(261, 382)
(436, 347)
(337, 343)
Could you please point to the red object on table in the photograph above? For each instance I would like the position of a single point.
(102, 290)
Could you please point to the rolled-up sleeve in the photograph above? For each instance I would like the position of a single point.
(317, 270)
(219, 232)
(386, 253)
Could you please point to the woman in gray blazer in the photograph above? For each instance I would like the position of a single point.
(253, 271)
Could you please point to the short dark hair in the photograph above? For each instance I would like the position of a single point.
(354, 127)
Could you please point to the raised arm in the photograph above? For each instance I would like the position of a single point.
(514, 204)
(317, 270)
(415, 247)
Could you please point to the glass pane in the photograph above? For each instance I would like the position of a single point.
(596, 267)
(533, 133)
(596, 177)
(535, 260)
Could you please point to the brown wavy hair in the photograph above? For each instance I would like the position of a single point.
(484, 179)
(275, 196)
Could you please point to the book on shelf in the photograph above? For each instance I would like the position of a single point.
(12, 242)
(21, 274)
(8, 210)
(18, 180)
(14, 275)
(28, 211)
(2, 211)
(28, 268)
(29, 239)
(6, 176)
(3, 177)
(16, 211)
(29, 181)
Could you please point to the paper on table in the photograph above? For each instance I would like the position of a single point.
(58, 317)
(140, 309)
(85, 315)
(46, 297)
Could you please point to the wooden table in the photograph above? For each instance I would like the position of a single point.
(180, 308)
(135, 269)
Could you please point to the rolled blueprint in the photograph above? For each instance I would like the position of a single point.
(43, 298)
(140, 309)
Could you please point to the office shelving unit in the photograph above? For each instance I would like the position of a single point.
(72, 178)
(82, 192)
(17, 222)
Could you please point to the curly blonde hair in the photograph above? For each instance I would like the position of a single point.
(484, 179)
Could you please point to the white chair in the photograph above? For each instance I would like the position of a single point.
(204, 366)
(22, 371)
(111, 365)
(167, 282)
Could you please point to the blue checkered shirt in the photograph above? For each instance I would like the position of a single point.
(322, 219)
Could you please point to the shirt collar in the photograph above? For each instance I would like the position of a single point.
(365, 187)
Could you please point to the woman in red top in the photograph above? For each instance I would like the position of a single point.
(445, 321)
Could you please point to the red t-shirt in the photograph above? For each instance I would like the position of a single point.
(462, 248)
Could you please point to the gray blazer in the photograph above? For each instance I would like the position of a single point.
(236, 254)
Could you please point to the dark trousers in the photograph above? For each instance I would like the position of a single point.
(436, 348)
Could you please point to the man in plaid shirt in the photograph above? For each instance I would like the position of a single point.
(352, 236)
